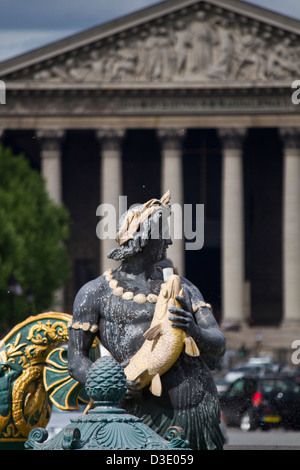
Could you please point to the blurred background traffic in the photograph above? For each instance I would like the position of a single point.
(258, 393)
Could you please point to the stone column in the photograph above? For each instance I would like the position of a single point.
(50, 140)
(110, 183)
(172, 179)
(232, 226)
(51, 161)
(291, 225)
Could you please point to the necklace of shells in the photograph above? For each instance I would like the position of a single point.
(141, 298)
(127, 295)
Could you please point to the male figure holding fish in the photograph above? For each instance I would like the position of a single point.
(123, 305)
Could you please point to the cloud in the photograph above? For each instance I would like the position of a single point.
(16, 42)
(38, 23)
(288, 7)
(63, 14)
(81, 14)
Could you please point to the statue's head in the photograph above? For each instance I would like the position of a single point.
(144, 227)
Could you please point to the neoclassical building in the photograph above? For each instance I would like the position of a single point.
(188, 95)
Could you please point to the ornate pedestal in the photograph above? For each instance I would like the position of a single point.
(106, 427)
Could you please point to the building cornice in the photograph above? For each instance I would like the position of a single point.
(139, 19)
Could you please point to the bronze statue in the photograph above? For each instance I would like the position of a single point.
(118, 307)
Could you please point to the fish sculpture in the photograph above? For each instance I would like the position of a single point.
(163, 344)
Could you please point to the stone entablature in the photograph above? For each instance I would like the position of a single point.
(180, 57)
(174, 102)
(180, 42)
(200, 45)
(181, 64)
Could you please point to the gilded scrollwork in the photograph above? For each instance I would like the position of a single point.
(51, 332)
(24, 401)
(30, 407)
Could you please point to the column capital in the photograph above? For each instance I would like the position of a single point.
(171, 139)
(232, 137)
(110, 139)
(290, 137)
(50, 138)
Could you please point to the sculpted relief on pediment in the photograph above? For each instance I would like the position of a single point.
(202, 46)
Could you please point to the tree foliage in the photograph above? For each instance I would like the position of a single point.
(33, 231)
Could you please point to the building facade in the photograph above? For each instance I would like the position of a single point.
(187, 95)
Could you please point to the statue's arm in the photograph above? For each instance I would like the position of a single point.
(83, 330)
(210, 337)
(198, 321)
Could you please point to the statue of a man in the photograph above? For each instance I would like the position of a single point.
(118, 308)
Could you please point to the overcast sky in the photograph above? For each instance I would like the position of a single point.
(29, 24)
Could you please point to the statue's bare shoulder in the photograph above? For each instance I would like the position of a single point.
(89, 299)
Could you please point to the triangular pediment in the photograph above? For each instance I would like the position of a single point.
(185, 41)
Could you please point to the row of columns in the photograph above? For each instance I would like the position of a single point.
(233, 268)
(232, 231)
(111, 181)
(233, 264)
(291, 225)
(50, 141)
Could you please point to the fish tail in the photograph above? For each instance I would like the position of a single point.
(141, 377)
(191, 347)
(156, 387)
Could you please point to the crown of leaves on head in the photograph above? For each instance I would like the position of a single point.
(136, 216)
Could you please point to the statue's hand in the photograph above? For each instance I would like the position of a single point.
(125, 363)
(183, 318)
(132, 391)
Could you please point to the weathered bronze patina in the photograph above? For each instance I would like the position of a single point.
(118, 307)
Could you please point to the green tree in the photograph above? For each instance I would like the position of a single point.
(33, 231)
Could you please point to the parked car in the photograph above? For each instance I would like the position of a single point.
(265, 362)
(223, 427)
(253, 401)
(222, 386)
(239, 371)
(260, 360)
(254, 365)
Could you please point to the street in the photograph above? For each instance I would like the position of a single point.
(263, 440)
(60, 419)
